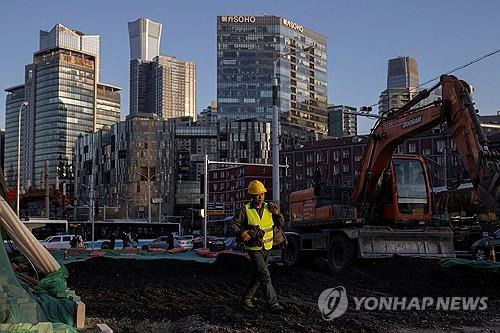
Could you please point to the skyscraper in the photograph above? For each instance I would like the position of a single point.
(159, 84)
(402, 83)
(62, 93)
(247, 46)
(175, 82)
(144, 36)
(402, 72)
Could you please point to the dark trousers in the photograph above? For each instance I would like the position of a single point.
(260, 276)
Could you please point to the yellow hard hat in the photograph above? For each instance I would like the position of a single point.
(256, 187)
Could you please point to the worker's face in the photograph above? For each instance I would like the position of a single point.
(259, 198)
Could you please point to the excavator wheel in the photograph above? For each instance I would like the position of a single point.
(341, 253)
(290, 254)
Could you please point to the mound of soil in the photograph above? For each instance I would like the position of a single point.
(171, 295)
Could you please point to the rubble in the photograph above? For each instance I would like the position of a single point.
(172, 295)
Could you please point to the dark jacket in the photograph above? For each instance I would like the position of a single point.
(240, 224)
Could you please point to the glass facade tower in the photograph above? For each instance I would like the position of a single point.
(64, 100)
(144, 37)
(247, 46)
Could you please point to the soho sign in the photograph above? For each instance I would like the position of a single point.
(238, 19)
(293, 25)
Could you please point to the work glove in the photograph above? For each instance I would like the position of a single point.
(273, 208)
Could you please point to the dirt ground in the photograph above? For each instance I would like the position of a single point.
(174, 296)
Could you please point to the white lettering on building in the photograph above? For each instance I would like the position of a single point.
(237, 19)
(292, 25)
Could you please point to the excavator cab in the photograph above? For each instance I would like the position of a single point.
(411, 201)
(403, 198)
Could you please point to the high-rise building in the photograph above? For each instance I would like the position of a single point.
(175, 87)
(159, 84)
(2, 147)
(341, 121)
(13, 105)
(64, 38)
(144, 37)
(108, 106)
(402, 72)
(64, 100)
(402, 83)
(247, 47)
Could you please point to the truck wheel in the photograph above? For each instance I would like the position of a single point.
(341, 254)
(290, 254)
(105, 245)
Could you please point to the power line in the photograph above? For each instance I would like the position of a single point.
(467, 64)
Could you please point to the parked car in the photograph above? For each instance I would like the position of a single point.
(57, 242)
(481, 248)
(214, 243)
(183, 241)
(157, 243)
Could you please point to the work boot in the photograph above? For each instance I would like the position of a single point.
(247, 304)
(276, 308)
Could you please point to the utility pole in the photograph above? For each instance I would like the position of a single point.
(47, 192)
(23, 104)
(149, 197)
(91, 206)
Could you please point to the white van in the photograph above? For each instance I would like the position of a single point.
(57, 242)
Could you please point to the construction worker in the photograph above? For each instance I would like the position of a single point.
(253, 226)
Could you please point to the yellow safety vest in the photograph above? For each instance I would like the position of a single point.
(265, 223)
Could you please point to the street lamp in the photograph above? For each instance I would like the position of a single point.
(275, 126)
(23, 104)
(148, 177)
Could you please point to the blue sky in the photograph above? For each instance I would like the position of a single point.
(362, 36)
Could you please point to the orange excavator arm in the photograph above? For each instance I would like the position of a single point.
(457, 111)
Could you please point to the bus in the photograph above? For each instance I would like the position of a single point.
(104, 229)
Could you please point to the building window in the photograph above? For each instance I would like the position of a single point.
(345, 154)
(336, 170)
(309, 171)
(412, 148)
(309, 158)
(401, 149)
(298, 163)
(440, 146)
(427, 151)
(299, 176)
(138, 188)
(319, 157)
(336, 156)
(358, 158)
(345, 167)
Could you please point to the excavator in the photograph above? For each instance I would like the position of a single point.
(390, 211)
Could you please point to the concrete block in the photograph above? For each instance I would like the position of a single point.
(80, 314)
(44, 327)
(104, 328)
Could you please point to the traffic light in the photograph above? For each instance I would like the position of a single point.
(365, 109)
